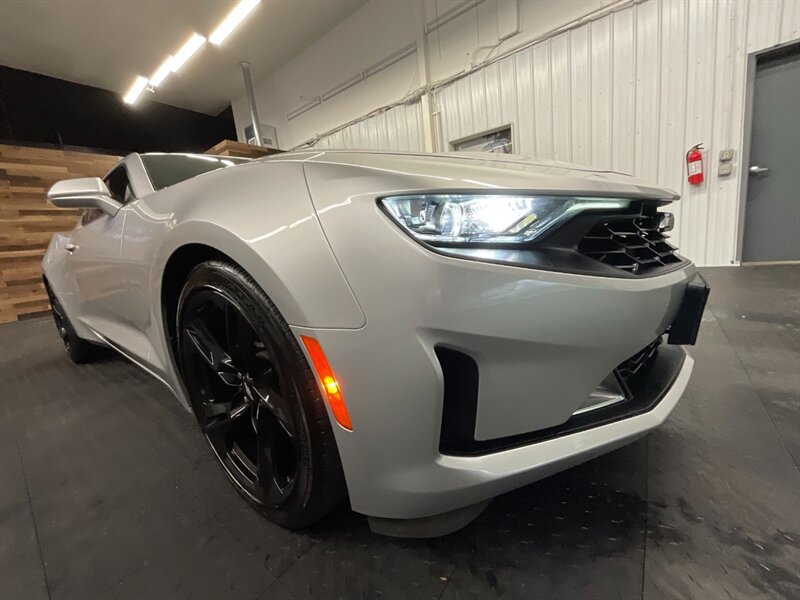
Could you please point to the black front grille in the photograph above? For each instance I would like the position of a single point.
(632, 243)
(638, 361)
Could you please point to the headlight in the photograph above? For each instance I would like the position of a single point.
(487, 218)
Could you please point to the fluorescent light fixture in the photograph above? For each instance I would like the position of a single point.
(187, 50)
(162, 72)
(136, 89)
(229, 23)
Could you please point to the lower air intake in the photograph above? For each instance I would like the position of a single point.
(460, 406)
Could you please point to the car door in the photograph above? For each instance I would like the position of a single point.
(94, 258)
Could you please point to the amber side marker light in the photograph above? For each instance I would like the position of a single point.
(329, 383)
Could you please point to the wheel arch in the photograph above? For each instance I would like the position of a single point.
(176, 271)
(185, 257)
(193, 242)
(178, 275)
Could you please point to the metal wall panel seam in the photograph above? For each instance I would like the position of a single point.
(684, 212)
(552, 106)
(480, 112)
(509, 113)
(580, 94)
(612, 54)
(531, 106)
(599, 92)
(567, 87)
(635, 51)
(541, 105)
(526, 104)
(589, 78)
(658, 83)
(712, 195)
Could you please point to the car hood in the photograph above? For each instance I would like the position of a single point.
(476, 170)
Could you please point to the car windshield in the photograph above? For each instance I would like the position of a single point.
(168, 169)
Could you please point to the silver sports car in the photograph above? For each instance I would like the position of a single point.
(418, 333)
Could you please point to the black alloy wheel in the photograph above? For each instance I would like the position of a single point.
(241, 396)
(251, 390)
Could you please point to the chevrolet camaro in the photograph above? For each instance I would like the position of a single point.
(417, 333)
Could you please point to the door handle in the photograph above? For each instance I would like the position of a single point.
(71, 247)
(755, 170)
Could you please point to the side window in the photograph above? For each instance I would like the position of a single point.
(119, 185)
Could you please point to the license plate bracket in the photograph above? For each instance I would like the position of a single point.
(684, 328)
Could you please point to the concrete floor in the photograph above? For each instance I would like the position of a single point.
(108, 491)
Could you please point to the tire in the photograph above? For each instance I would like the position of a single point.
(79, 350)
(255, 397)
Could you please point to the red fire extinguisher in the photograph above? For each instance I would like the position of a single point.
(694, 164)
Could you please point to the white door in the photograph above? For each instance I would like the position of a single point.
(94, 260)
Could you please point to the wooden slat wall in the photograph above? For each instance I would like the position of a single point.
(240, 149)
(28, 221)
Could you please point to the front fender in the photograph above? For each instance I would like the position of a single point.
(264, 220)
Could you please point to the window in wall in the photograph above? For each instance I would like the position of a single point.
(495, 140)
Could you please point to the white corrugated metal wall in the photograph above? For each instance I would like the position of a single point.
(398, 128)
(631, 91)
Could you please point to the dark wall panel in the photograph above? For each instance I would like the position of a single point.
(35, 109)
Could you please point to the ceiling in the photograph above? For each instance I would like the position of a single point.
(107, 43)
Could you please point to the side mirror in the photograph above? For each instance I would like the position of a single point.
(87, 192)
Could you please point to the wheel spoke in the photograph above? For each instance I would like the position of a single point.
(262, 368)
(272, 492)
(234, 334)
(212, 352)
(218, 415)
(276, 405)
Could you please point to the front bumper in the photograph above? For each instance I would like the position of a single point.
(395, 470)
(542, 342)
